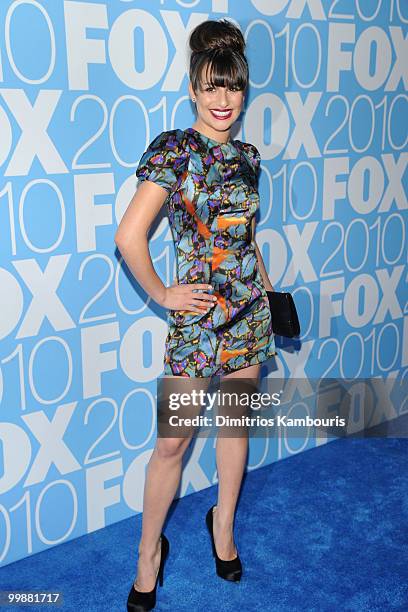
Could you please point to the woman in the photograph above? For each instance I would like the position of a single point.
(218, 313)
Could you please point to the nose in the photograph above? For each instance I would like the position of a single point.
(222, 98)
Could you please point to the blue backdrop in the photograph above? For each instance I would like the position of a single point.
(85, 86)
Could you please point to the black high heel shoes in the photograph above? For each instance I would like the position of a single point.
(229, 570)
(141, 602)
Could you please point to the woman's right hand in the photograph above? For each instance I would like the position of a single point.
(186, 297)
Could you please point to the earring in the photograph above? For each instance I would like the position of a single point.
(193, 99)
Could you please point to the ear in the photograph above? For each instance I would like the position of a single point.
(244, 99)
(191, 90)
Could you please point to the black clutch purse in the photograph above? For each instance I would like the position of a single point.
(285, 321)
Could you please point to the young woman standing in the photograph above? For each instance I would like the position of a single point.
(219, 320)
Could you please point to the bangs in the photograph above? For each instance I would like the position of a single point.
(222, 68)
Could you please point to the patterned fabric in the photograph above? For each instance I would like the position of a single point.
(212, 198)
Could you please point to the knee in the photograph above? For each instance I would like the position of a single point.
(171, 448)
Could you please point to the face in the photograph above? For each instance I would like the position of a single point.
(217, 108)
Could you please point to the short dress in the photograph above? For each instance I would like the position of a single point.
(212, 197)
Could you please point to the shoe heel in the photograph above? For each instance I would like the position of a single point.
(161, 579)
(144, 601)
(229, 570)
(165, 554)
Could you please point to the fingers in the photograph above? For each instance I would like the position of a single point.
(204, 297)
(197, 299)
(195, 287)
(199, 305)
(194, 309)
(202, 308)
(202, 300)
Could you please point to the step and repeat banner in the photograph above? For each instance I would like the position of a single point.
(84, 88)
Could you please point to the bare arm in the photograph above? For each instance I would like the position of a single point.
(131, 237)
(262, 269)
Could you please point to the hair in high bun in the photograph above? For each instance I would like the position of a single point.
(220, 46)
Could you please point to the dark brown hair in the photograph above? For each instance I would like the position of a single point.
(220, 46)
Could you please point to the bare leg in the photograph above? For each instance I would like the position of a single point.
(162, 479)
(231, 454)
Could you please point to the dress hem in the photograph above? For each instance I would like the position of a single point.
(223, 371)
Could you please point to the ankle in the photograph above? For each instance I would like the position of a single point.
(149, 551)
(223, 520)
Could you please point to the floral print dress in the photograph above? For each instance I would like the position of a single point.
(212, 197)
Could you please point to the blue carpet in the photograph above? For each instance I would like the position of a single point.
(322, 530)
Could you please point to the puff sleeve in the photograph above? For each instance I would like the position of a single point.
(164, 159)
(253, 156)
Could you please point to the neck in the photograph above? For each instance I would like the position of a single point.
(222, 137)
